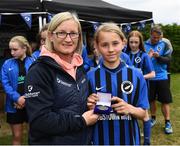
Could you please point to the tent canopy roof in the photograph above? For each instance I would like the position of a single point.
(91, 10)
(96, 10)
(20, 6)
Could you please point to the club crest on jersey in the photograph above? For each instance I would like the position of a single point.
(127, 87)
(158, 49)
(137, 59)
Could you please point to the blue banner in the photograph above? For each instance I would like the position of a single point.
(152, 23)
(141, 25)
(95, 26)
(127, 28)
(27, 18)
(49, 17)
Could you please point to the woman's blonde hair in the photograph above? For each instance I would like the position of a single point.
(23, 42)
(108, 27)
(56, 21)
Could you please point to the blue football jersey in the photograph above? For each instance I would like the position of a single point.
(142, 61)
(126, 83)
(124, 57)
(160, 68)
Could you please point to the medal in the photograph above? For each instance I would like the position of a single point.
(103, 106)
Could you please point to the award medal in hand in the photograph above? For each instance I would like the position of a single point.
(103, 106)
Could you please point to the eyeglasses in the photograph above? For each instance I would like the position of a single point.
(63, 35)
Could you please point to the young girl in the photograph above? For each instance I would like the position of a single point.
(126, 86)
(41, 39)
(13, 75)
(141, 60)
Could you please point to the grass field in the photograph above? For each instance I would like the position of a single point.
(158, 136)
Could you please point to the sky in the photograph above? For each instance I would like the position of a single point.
(164, 11)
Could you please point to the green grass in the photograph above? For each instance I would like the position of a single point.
(5, 132)
(158, 136)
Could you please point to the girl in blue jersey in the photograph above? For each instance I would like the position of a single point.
(141, 60)
(13, 76)
(97, 59)
(41, 38)
(127, 86)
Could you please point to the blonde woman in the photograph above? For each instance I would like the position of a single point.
(13, 76)
(57, 87)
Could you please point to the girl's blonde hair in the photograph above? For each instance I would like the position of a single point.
(108, 27)
(23, 42)
(56, 21)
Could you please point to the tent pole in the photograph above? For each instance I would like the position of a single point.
(40, 22)
(44, 20)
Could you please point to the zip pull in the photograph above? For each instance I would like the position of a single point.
(78, 87)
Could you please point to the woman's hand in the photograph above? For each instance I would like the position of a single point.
(90, 117)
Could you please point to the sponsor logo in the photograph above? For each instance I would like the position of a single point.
(58, 80)
(99, 88)
(31, 94)
(137, 59)
(10, 69)
(114, 116)
(30, 87)
(83, 80)
(63, 83)
(127, 87)
(21, 79)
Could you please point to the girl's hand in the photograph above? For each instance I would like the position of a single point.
(17, 106)
(92, 100)
(21, 101)
(120, 106)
